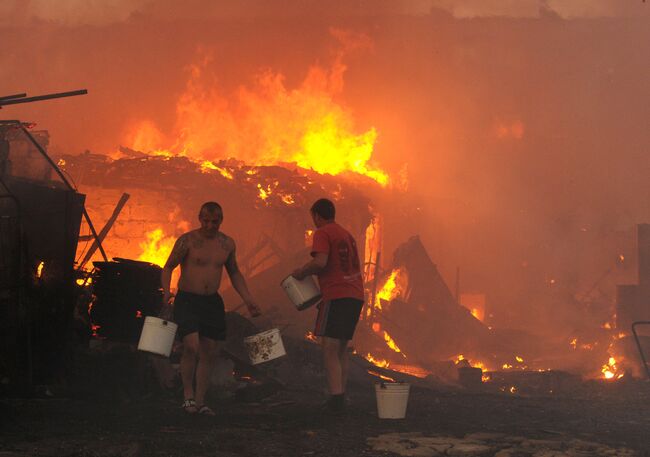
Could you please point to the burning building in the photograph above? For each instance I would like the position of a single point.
(496, 186)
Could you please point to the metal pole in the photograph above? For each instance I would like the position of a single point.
(10, 97)
(17, 100)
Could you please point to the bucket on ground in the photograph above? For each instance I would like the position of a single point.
(157, 336)
(392, 399)
(302, 292)
(264, 346)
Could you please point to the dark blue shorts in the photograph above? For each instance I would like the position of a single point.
(204, 314)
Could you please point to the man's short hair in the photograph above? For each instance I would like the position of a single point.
(324, 208)
(211, 207)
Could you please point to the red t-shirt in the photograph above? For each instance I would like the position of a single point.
(341, 277)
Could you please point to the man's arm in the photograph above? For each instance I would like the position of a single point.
(176, 257)
(313, 267)
(239, 283)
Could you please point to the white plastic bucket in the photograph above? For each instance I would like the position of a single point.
(157, 336)
(303, 293)
(392, 399)
(264, 346)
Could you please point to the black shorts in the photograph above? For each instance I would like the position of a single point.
(204, 314)
(338, 318)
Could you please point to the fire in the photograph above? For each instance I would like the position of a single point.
(208, 165)
(381, 376)
(268, 123)
(380, 363)
(391, 343)
(461, 360)
(392, 288)
(309, 336)
(610, 370)
(39, 269)
(157, 247)
(288, 199)
(475, 303)
(264, 193)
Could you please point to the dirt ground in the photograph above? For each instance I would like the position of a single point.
(597, 418)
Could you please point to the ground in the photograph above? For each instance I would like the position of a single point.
(595, 419)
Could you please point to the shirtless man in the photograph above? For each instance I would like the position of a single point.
(198, 308)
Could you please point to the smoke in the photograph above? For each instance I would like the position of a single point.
(103, 12)
(524, 135)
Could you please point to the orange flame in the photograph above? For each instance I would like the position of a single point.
(380, 363)
(610, 370)
(39, 269)
(157, 247)
(392, 288)
(208, 165)
(391, 343)
(268, 124)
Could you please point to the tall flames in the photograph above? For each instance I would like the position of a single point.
(267, 123)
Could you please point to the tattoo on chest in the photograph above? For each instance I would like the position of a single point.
(224, 241)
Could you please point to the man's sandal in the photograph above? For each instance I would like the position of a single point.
(189, 406)
(206, 411)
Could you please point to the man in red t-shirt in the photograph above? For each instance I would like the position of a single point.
(336, 264)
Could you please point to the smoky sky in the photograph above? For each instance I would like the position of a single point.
(522, 125)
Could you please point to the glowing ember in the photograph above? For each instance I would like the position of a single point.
(206, 165)
(519, 359)
(157, 247)
(412, 370)
(39, 269)
(288, 199)
(309, 336)
(264, 193)
(574, 343)
(381, 376)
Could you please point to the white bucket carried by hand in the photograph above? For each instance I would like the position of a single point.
(264, 346)
(157, 336)
(302, 292)
(392, 399)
